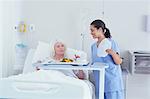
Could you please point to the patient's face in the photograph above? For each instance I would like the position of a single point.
(59, 48)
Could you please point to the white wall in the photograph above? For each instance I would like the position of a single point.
(127, 24)
(129, 29)
(138, 86)
(11, 13)
(149, 15)
(52, 19)
(1, 41)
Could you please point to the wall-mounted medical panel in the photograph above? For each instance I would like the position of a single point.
(139, 62)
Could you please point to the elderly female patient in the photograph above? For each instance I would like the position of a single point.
(58, 53)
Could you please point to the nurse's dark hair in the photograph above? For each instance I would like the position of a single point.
(100, 24)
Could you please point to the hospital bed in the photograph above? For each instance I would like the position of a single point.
(60, 88)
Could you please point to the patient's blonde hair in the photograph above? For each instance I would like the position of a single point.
(52, 44)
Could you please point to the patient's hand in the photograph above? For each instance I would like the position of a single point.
(80, 74)
(37, 68)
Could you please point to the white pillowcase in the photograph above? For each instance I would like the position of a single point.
(42, 51)
(28, 62)
(102, 47)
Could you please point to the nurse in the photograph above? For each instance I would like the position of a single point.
(113, 88)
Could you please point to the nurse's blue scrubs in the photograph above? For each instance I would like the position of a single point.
(113, 76)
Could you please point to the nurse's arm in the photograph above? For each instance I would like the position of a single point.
(115, 56)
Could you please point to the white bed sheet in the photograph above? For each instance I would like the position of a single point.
(46, 83)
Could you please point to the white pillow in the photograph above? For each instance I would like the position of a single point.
(28, 62)
(42, 51)
(102, 47)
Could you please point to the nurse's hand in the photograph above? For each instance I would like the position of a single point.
(115, 56)
(110, 51)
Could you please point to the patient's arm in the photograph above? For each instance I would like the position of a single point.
(80, 74)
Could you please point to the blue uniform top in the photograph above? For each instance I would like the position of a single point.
(113, 74)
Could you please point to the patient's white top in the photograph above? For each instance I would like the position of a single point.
(102, 47)
(66, 72)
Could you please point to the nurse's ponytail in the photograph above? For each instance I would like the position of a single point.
(107, 33)
(100, 24)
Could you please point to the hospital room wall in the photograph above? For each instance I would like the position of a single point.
(60, 19)
(63, 19)
(126, 20)
(52, 19)
(129, 30)
(10, 15)
(1, 40)
(131, 24)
